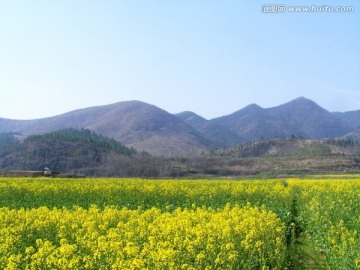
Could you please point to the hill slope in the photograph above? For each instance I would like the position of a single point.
(133, 123)
(192, 119)
(352, 119)
(255, 123)
(7, 138)
(283, 147)
(217, 133)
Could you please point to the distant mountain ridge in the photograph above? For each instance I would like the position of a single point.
(300, 117)
(133, 123)
(146, 127)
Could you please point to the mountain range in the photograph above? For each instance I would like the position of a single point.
(146, 127)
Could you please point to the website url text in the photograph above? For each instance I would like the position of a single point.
(279, 8)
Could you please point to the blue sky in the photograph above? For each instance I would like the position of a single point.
(210, 57)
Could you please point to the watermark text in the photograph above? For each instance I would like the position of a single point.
(280, 8)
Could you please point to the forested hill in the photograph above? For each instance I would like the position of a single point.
(80, 137)
(63, 150)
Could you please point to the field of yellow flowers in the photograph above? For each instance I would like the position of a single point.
(179, 224)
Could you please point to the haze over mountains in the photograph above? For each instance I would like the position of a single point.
(146, 127)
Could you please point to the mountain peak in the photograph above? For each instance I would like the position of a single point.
(310, 118)
(252, 106)
(192, 119)
(249, 109)
(300, 105)
(303, 100)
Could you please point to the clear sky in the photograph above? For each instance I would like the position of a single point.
(210, 57)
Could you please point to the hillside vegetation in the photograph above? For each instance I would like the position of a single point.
(293, 147)
(68, 150)
(84, 152)
(284, 157)
(7, 138)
